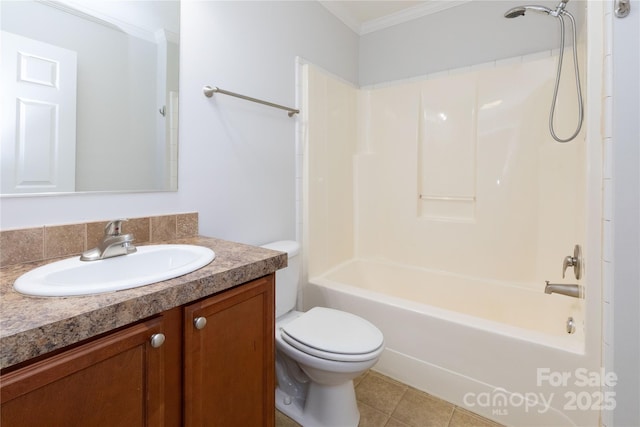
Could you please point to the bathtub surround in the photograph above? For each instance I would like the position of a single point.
(417, 170)
(434, 201)
(56, 241)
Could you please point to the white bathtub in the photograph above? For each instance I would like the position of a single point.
(495, 349)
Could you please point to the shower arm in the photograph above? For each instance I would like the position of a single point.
(560, 8)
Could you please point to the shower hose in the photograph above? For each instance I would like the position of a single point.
(559, 72)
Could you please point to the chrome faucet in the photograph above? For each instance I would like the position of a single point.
(113, 243)
(568, 290)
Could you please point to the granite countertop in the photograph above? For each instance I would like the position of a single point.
(32, 326)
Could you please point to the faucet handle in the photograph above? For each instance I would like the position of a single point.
(114, 228)
(574, 261)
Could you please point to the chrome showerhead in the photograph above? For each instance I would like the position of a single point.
(515, 12)
(561, 14)
(521, 10)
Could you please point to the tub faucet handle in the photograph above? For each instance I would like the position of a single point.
(574, 261)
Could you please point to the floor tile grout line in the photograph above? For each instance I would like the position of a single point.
(451, 416)
(404, 393)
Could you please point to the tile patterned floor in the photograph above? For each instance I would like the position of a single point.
(384, 402)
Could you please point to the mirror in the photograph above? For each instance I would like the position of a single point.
(89, 96)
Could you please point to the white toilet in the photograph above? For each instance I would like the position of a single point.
(318, 354)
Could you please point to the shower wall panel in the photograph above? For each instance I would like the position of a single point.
(455, 173)
(331, 144)
(461, 174)
(446, 157)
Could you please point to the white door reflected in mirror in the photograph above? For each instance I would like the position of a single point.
(39, 123)
(127, 56)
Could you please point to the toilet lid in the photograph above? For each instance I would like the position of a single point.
(332, 331)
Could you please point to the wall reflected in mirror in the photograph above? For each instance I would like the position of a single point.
(89, 96)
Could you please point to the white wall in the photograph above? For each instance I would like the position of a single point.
(457, 37)
(237, 159)
(625, 248)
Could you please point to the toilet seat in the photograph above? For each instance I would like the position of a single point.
(333, 335)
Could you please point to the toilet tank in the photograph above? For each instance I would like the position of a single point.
(287, 278)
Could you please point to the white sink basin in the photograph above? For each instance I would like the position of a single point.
(150, 264)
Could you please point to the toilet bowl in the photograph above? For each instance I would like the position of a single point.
(318, 354)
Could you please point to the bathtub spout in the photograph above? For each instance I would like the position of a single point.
(574, 291)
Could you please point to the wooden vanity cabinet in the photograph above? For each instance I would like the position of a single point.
(229, 358)
(220, 375)
(116, 380)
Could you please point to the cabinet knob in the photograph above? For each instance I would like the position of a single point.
(157, 340)
(200, 322)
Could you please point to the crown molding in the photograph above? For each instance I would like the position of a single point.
(83, 11)
(409, 14)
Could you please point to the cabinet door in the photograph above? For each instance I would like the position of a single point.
(229, 361)
(116, 380)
